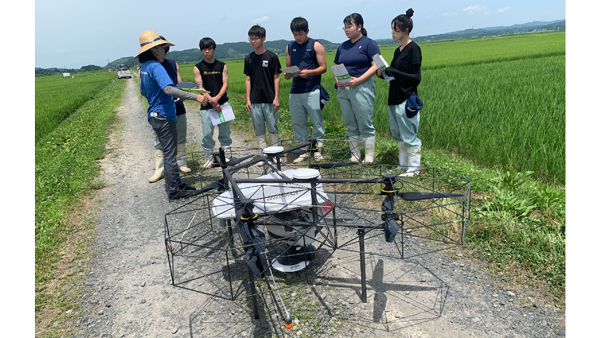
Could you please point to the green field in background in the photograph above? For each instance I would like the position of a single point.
(499, 101)
(56, 97)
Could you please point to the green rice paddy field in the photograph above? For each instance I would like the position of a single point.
(498, 101)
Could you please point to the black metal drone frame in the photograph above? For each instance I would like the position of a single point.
(394, 220)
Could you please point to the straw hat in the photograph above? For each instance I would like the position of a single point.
(150, 39)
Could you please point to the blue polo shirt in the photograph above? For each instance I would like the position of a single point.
(154, 78)
(356, 57)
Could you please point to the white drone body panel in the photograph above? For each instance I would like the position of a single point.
(271, 198)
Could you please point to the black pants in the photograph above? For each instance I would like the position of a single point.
(166, 131)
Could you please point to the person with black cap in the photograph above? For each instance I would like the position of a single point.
(160, 91)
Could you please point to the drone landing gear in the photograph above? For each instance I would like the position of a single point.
(295, 258)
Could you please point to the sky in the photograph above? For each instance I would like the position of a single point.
(75, 33)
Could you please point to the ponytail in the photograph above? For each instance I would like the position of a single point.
(357, 20)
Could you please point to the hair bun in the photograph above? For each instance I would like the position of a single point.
(410, 12)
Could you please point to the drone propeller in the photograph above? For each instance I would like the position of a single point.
(419, 196)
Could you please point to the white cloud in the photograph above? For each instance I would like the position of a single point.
(260, 20)
(449, 14)
(502, 10)
(473, 9)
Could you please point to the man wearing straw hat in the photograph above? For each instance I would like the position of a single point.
(159, 90)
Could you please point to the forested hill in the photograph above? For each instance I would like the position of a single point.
(539, 26)
(228, 50)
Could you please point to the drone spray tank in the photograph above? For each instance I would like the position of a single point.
(287, 204)
(297, 227)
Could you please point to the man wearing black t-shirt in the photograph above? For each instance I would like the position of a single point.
(211, 74)
(262, 70)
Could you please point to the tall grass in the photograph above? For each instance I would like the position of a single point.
(443, 54)
(56, 97)
(507, 115)
(65, 169)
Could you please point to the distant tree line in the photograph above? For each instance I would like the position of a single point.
(52, 71)
(228, 50)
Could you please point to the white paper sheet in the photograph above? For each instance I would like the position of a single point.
(382, 64)
(225, 115)
(290, 70)
(340, 72)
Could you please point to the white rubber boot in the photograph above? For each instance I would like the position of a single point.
(317, 154)
(159, 169)
(181, 158)
(209, 159)
(402, 156)
(354, 148)
(369, 149)
(227, 151)
(262, 144)
(274, 140)
(414, 160)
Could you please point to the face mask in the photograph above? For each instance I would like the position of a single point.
(159, 52)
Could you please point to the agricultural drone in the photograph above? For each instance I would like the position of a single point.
(257, 230)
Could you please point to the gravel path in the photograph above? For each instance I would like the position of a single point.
(129, 291)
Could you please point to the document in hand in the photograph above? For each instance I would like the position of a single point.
(340, 72)
(290, 70)
(225, 115)
(382, 64)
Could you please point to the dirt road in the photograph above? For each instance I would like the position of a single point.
(129, 291)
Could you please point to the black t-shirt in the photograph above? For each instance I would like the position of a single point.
(262, 70)
(406, 70)
(212, 79)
